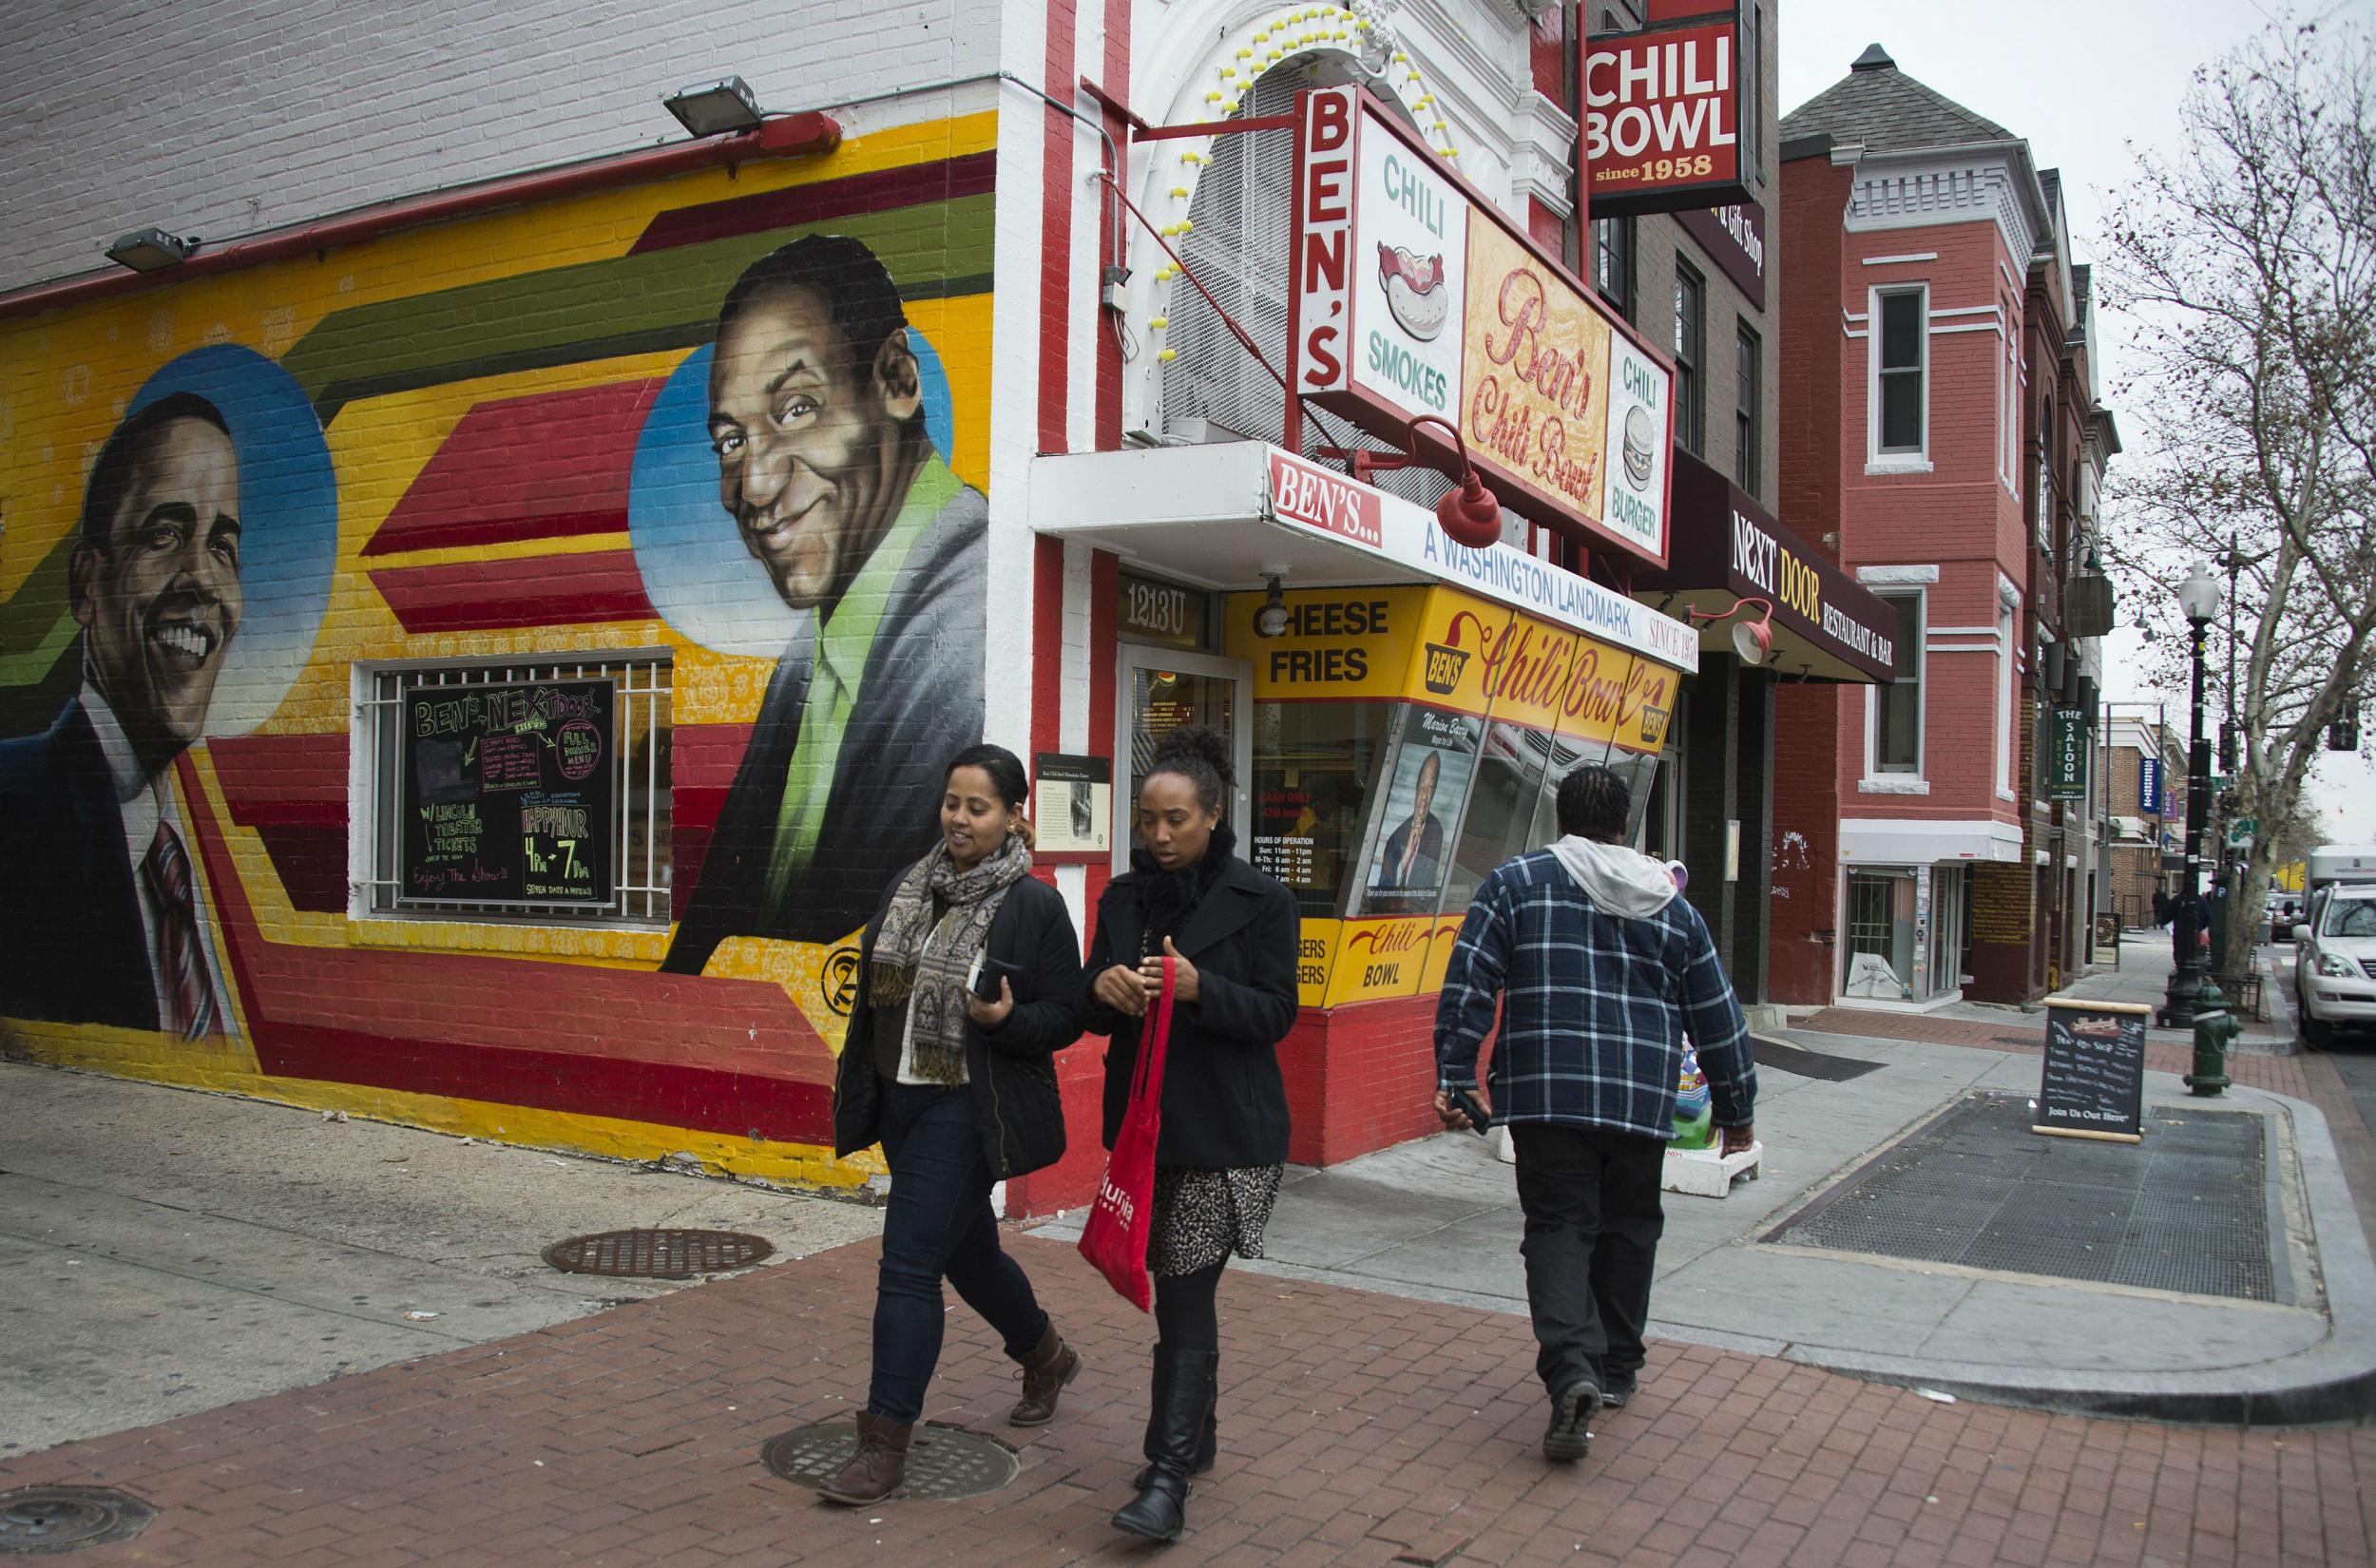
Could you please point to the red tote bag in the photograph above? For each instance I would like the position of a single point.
(1121, 1221)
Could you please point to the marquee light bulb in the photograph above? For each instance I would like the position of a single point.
(1168, 355)
(1163, 275)
(1181, 191)
(1159, 322)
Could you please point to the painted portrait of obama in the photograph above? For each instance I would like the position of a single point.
(825, 471)
(106, 920)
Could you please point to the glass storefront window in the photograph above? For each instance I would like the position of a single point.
(1314, 766)
(1410, 836)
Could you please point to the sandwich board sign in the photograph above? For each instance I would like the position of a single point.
(2093, 1083)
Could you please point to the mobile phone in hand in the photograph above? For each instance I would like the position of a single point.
(986, 978)
(1479, 1120)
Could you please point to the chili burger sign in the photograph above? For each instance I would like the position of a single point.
(1411, 296)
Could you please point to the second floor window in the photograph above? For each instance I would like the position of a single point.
(1612, 263)
(1899, 367)
(1690, 352)
(1746, 419)
(1897, 731)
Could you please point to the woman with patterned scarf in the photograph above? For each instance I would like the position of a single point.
(1231, 935)
(960, 1092)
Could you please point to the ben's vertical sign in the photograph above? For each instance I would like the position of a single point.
(1662, 117)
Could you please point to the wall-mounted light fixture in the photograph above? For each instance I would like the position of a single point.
(1752, 641)
(715, 108)
(1270, 621)
(151, 250)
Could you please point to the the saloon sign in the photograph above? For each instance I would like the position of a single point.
(1412, 296)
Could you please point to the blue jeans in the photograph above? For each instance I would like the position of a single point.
(938, 1225)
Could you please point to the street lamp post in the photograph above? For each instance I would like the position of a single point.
(2199, 599)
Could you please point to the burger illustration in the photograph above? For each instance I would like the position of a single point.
(1415, 290)
(1640, 450)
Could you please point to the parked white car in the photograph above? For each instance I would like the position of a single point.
(2334, 962)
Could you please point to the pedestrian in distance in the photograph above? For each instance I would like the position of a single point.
(2161, 909)
(968, 983)
(1600, 969)
(1231, 935)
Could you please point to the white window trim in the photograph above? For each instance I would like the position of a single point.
(2006, 759)
(1897, 576)
(1877, 459)
(1874, 780)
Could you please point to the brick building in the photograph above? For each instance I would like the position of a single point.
(504, 758)
(1942, 386)
(2144, 763)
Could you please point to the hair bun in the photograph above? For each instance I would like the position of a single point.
(1197, 742)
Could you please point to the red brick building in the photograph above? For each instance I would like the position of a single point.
(1938, 396)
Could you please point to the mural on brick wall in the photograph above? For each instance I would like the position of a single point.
(487, 676)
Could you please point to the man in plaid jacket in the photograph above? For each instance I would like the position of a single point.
(1601, 970)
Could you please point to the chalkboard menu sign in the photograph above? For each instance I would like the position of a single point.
(2094, 1083)
(509, 794)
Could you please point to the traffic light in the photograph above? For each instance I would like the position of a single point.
(2230, 736)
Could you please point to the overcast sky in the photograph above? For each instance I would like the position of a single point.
(2084, 81)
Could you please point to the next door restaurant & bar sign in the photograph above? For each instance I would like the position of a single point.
(1412, 295)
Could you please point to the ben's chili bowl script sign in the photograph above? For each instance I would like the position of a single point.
(1411, 296)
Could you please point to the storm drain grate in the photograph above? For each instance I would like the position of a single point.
(2186, 1211)
(658, 1254)
(44, 1521)
(944, 1463)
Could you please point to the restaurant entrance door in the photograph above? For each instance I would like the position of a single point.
(1161, 690)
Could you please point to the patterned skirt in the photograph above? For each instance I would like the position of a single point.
(1204, 1214)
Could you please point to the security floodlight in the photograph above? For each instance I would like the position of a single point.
(715, 108)
(150, 250)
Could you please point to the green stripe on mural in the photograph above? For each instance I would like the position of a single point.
(545, 318)
(38, 623)
(681, 335)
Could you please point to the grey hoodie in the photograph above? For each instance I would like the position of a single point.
(1620, 881)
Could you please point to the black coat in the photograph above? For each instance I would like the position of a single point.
(1010, 1069)
(1224, 1103)
(71, 925)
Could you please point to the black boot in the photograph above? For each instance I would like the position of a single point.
(1208, 1445)
(1182, 1402)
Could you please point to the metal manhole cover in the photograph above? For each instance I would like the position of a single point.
(944, 1463)
(658, 1254)
(43, 1520)
(2187, 1211)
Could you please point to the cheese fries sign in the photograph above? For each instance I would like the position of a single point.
(1412, 296)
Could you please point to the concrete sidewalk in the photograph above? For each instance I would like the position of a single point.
(1439, 1220)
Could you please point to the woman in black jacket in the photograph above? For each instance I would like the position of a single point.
(1232, 934)
(962, 1094)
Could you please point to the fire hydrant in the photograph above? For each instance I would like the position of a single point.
(2214, 1030)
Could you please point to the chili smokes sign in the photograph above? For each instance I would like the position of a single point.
(509, 794)
(1412, 296)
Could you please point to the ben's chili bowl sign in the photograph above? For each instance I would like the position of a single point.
(1410, 295)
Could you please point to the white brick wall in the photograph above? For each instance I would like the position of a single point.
(222, 117)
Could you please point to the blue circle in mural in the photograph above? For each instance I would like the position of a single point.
(288, 521)
(695, 571)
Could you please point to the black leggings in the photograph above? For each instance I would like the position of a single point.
(1186, 1317)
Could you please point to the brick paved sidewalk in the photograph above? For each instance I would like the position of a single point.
(1357, 1430)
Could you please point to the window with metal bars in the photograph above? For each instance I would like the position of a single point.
(638, 837)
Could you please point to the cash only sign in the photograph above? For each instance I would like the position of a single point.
(1412, 294)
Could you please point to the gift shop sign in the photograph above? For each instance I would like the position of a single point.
(1412, 295)
(1661, 128)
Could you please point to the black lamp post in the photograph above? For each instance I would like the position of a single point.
(2198, 599)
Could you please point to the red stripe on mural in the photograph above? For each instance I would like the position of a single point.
(721, 1054)
(943, 181)
(299, 779)
(548, 465)
(547, 590)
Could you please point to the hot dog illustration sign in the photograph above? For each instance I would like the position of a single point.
(1412, 296)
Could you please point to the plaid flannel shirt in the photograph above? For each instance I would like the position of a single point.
(1594, 1006)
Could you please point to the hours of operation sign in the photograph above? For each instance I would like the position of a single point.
(509, 794)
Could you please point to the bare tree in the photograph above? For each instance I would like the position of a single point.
(2246, 266)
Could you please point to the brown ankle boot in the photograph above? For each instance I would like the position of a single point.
(1046, 1370)
(880, 1466)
